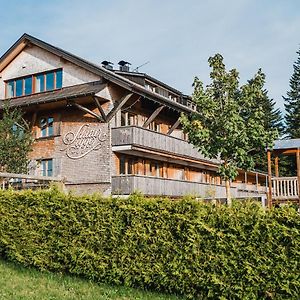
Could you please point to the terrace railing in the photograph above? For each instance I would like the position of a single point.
(285, 188)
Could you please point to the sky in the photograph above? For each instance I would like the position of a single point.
(175, 37)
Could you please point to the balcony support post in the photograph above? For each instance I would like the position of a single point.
(276, 166)
(118, 105)
(98, 104)
(174, 126)
(153, 116)
(269, 179)
(98, 117)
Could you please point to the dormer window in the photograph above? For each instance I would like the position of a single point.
(36, 83)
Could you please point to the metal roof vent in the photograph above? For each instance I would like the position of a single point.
(124, 65)
(107, 65)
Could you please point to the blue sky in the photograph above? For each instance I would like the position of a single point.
(176, 37)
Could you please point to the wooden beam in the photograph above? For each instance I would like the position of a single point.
(298, 172)
(276, 166)
(33, 120)
(98, 104)
(174, 126)
(269, 179)
(118, 106)
(86, 110)
(153, 116)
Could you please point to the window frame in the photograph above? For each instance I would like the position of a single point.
(33, 83)
(47, 118)
(45, 163)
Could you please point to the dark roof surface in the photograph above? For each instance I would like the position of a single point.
(154, 80)
(286, 144)
(90, 88)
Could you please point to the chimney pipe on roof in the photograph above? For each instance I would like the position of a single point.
(124, 65)
(107, 65)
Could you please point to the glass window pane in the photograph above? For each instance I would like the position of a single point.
(19, 87)
(39, 83)
(50, 126)
(58, 79)
(50, 167)
(43, 125)
(49, 81)
(10, 89)
(43, 167)
(130, 166)
(122, 165)
(28, 86)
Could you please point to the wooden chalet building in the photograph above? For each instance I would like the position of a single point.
(105, 130)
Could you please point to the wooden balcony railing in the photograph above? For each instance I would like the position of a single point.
(138, 136)
(285, 188)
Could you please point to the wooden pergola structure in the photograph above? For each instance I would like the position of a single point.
(283, 189)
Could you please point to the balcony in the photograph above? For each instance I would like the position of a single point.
(144, 139)
(151, 186)
(127, 184)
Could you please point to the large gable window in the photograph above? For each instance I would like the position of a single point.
(35, 83)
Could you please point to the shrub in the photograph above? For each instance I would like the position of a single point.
(184, 247)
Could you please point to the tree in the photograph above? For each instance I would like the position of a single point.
(292, 103)
(15, 141)
(228, 124)
(272, 121)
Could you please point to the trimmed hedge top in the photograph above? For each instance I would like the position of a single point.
(184, 247)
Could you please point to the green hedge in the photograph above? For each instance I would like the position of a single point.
(183, 247)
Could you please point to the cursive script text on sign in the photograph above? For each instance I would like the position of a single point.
(86, 139)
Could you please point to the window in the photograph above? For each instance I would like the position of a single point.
(154, 126)
(46, 126)
(128, 119)
(36, 83)
(39, 83)
(50, 81)
(47, 167)
(127, 165)
(122, 165)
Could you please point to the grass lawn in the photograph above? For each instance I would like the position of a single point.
(18, 283)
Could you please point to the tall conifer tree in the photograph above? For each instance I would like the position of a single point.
(272, 121)
(292, 102)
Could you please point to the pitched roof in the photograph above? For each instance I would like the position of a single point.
(26, 39)
(65, 93)
(286, 144)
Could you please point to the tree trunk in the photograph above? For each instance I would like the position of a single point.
(228, 193)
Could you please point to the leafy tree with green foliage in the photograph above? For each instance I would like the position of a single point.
(228, 125)
(292, 103)
(15, 141)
